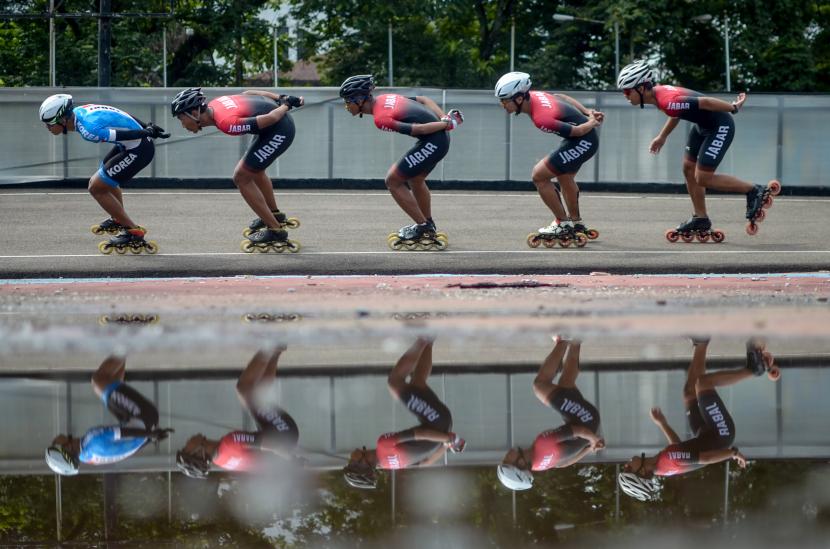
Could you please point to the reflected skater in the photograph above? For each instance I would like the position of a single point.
(709, 421)
(415, 447)
(137, 425)
(565, 445)
(246, 450)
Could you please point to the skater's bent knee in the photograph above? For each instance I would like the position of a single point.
(703, 178)
(703, 384)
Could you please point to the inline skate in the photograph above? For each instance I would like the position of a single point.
(267, 239)
(699, 227)
(421, 237)
(580, 227)
(108, 226)
(760, 361)
(284, 221)
(561, 232)
(131, 240)
(758, 200)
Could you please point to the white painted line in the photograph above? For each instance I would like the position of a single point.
(558, 251)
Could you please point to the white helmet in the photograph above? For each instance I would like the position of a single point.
(514, 478)
(55, 107)
(634, 74)
(512, 84)
(637, 487)
(61, 461)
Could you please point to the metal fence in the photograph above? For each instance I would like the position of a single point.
(779, 136)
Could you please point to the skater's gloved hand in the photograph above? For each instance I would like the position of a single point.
(157, 435)
(456, 444)
(292, 101)
(156, 132)
(453, 119)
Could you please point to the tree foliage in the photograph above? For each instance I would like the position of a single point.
(775, 45)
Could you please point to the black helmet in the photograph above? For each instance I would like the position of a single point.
(194, 466)
(187, 100)
(360, 85)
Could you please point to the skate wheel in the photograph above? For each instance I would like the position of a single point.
(565, 242)
(292, 222)
(760, 216)
(247, 232)
(767, 202)
(135, 250)
(441, 242)
(395, 244)
(410, 245)
(751, 228)
(293, 245)
(96, 229)
(774, 373)
(718, 236)
(592, 234)
(533, 240)
(247, 246)
(769, 360)
(105, 248)
(392, 236)
(120, 250)
(774, 187)
(672, 235)
(703, 237)
(442, 234)
(580, 240)
(151, 247)
(687, 238)
(549, 243)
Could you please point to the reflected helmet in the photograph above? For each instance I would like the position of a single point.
(637, 487)
(360, 475)
(635, 74)
(357, 86)
(512, 84)
(193, 465)
(514, 478)
(55, 107)
(61, 461)
(187, 100)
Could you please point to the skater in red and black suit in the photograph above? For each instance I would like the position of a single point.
(418, 117)
(567, 444)
(713, 129)
(711, 425)
(265, 115)
(568, 118)
(248, 451)
(419, 446)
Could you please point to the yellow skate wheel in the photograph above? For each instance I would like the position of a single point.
(120, 250)
(292, 222)
(293, 246)
(151, 247)
(105, 248)
(247, 246)
(392, 236)
(441, 241)
(533, 240)
(96, 229)
(410, 245)
(135, 249)
(396, 245)
(247, 232)
(441, 234)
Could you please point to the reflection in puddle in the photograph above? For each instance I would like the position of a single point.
(414, 435)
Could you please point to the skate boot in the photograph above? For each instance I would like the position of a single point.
(760, 361)
(284, 221)
(561, 232)
(267, 239)
(131, 240)
(580, 227)
(699, 227)
(108, 226)
(758, 200)
(420, 237)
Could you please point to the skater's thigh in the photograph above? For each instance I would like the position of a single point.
(421, 159)
(126, 164)
(573, 152)
(715, 144)
(267, 146)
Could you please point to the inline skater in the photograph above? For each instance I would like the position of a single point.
(713, 129)
(265, 115)
(133, 151)
(418, 446)
(419, 117)
(566, 445)
(248, 451)
(711, 425)
(137, 425)
(568, 118)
